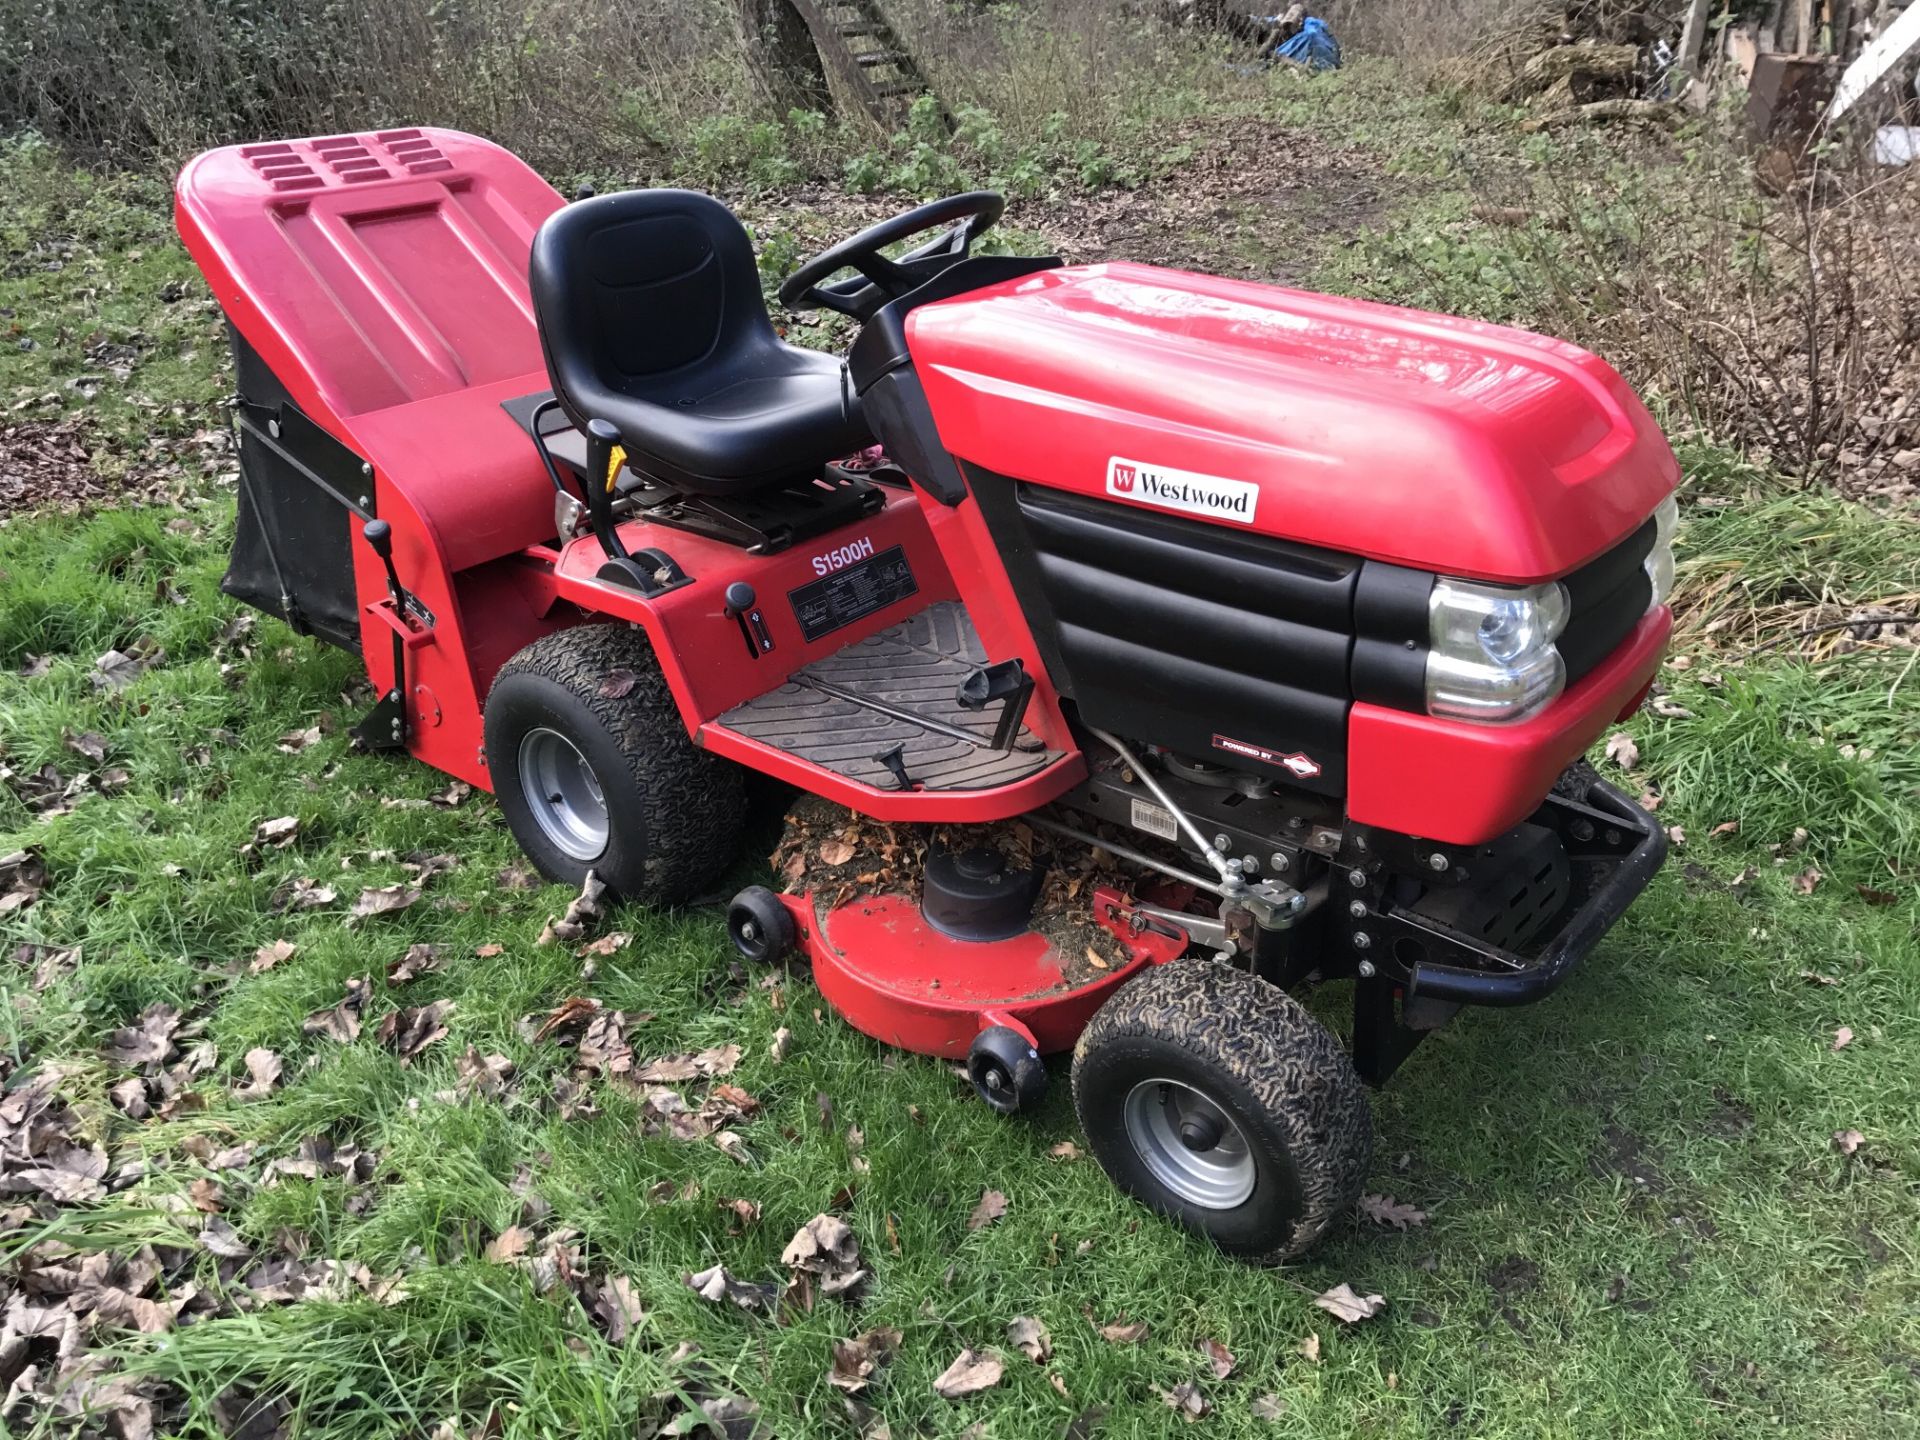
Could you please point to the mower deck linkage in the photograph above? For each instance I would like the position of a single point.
(1182, 643)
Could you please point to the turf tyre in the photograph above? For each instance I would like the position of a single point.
(1268, 1066)
(674, 812)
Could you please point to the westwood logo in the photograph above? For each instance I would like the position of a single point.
(1215, 496)
(1123, 476)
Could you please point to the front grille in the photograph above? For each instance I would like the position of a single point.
(1606, 599)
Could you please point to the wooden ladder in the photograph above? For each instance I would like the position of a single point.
(857, 42)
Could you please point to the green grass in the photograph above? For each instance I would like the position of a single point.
(1639, 1223)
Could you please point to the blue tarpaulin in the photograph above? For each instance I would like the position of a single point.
(1314, 47)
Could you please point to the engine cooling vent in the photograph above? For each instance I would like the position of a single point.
(281, 167)
(413, 151)
(349, 159)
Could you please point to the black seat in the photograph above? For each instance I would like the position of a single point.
(650, 316)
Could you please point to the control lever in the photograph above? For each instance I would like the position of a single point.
(604, 459)
(741, 606)
(1006, 681)
(894, 757)
(379, 535)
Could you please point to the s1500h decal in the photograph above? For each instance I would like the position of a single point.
(1183, 490)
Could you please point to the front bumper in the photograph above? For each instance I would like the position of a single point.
(1614, 843)
(1462, 783)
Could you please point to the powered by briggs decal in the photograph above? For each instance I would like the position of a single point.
(1303, 767)
(1183, 490)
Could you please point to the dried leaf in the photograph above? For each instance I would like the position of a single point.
(717, 1284)
(277, 834)
(480, 1075)
(1806, 880)
(219, 1238)
(782, 1043)
(342, 1021)
(268, 956)
(1842, 1038)
(836, 852)
(617, 684)
(149, 1042)
(1385, 1210)
(1876, 897)
(407, 1032)
(1622, 750)
(384, 900)
(1123, 1331)
(1186, 1400)
(419, 960)
(263, 1068)
(618, 1307)
(1848, 1141)
(1219, 1358)
(1029, 1336)
(1309, 1348)
(87, 743)
(508, 1245)
(1347, 1307)
(1268, 1406)
(856, 1361)
(972, 1372)
(992, 1206)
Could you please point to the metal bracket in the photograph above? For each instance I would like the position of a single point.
(385, 725)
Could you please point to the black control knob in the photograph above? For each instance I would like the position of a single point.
(379, 534)
(739, 598)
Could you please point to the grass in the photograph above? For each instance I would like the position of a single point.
(1638, 1220)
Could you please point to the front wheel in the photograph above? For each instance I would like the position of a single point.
(1214, 1097)
(595, 771)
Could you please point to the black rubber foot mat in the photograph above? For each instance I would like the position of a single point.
(916, 665)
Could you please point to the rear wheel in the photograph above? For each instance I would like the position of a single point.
(595, 771)
(1215, 1098)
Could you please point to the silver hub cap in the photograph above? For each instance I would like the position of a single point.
(1190, 1144)
(563, 794)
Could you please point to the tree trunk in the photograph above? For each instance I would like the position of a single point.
(784, 58)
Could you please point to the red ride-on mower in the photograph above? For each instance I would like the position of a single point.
(1148, 645)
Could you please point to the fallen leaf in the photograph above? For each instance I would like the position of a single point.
(384, 900)
(1622, 750)
(130, 1097)
(1185, 1400)
(1309, 1348)
(87, 743)
(1267, 1406)
(782, 1043)
(1064, 1150)
(1124, 1332)
(718, 1284)
(583, 908)
(1385, 1210)
(618, 1307)
(617, 684)
(419, 960)
(342, 1021)
(1814, 977)
(478, 1075)
(149, 1042)
(263, 1068)
(1876, 897)
(972, 1372)
(855, 1361)
(1219, 1358)
(1029, 1336)
(992, 1206)
(488, 951)
(1842, 1038)
(407, 1032)
(277, 834)
(508, 1245)
(1725, 827)
(220, 1239)
(1848, 1141)
(1804, 882)
(268, 956)
(206, 1196)
(294, 741)
(1347, 1307)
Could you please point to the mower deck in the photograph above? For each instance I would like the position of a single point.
(826, 713)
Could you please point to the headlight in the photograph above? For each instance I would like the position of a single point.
(1492, 655)
(1659, 563)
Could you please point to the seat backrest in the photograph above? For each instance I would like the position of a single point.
(633, 287)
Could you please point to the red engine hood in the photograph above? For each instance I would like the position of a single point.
(1427, 441)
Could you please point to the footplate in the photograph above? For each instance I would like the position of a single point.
(887, 712)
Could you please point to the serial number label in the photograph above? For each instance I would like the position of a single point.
(826, 605)
(1155, 820)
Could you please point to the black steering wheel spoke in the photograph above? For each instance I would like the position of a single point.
(880, 279)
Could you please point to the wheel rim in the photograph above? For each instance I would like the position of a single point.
(1216, 1174)
(563, 793)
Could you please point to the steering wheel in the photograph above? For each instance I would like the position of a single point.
(880, 280)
